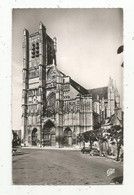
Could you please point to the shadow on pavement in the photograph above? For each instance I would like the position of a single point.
(19, 153)
(117, 180)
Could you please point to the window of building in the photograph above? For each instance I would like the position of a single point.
(35, 50)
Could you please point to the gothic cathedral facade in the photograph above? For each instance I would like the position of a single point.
(55, 108)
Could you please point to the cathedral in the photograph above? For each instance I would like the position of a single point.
(55, 108)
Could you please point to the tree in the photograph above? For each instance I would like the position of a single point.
(80, 138)
(89, 136)
(116, 133)
(101, 137)
(15, 139)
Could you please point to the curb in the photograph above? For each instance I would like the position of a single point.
(51, 148)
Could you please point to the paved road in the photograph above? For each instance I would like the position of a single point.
(62, 167)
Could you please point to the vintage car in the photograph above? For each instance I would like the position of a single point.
(86, 150)
(94, 152)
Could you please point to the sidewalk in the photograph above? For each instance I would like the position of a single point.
(111, 157)
(52, 148)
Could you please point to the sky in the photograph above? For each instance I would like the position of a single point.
(87, 43)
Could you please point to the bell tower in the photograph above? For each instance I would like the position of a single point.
(38, 53)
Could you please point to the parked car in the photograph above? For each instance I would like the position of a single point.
(94, 152)
(86, 150)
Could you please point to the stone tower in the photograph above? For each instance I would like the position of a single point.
(38, 54)
(111, 98)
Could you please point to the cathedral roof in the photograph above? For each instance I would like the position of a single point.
(78, 87)
(99, 93)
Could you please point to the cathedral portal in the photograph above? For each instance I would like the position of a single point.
(34, 137)
(48, 134)
(67, 137)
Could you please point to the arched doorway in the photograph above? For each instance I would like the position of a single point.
(48, 134)
(34, 137)
(67, 137)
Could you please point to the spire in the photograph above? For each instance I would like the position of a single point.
(41, 26)
(115, 89)
(110, 81)
(110, 84)
(25, 32)
(55, 49)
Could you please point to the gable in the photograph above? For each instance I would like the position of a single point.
(51, 74)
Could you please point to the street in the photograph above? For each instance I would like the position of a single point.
(62, 167)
